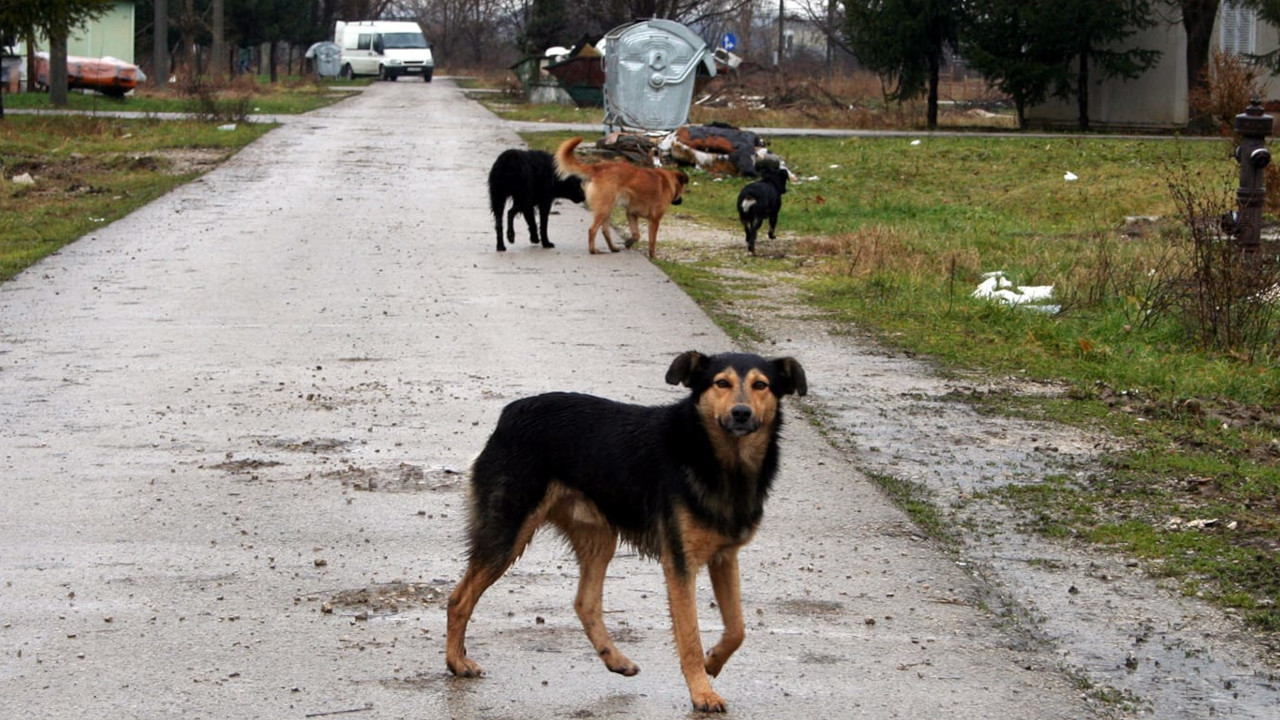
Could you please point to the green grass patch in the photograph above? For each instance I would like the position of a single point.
(251, 98)
(890, 238)
(916, 500)
(89, 171)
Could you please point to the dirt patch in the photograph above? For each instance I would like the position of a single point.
(71, 170)
(244, 466)
(313, 445)
(383, 599)
(401, 478)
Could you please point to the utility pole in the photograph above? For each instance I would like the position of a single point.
(781, 12)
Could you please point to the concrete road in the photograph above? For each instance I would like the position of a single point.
(236, 426)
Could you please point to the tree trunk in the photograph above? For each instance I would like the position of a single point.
(1082, 91)
(1198, 17)
(160, 46)
(58, 67)
(218, 61)
(32, 81)
(935, 67)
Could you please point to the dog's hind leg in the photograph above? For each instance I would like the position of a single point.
(497, 221)
(594, 546)
(462, 601)
(752, 226)
(489, 560)
(723, 569)
(511, 224)
(601, 223)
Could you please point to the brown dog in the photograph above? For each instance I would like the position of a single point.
(645, 192)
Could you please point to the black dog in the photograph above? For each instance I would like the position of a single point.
(762, 200)
(684, 484)
(528, 179)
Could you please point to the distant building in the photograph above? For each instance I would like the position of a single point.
(1158, 99)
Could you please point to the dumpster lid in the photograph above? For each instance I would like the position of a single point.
(692, 38)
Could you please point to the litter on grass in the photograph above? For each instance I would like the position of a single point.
(996, 287)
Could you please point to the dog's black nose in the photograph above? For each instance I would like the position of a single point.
(741, 414)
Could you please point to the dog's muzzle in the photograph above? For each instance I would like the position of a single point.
(740, 421)
(677, 201)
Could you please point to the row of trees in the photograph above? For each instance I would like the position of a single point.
(53, 19)
(1029, 49)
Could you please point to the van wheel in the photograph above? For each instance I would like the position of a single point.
(426, 74)
(347, 73)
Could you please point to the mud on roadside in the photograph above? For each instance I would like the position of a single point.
(1126, 639)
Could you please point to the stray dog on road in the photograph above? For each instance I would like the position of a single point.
(760, 201)
(645, 192)
(684, 484)
(527, 178)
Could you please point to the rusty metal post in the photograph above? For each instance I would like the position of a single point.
(1253, 126)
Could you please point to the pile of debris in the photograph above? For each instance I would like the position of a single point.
(717, 148)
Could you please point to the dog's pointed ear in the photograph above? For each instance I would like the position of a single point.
(791, 377)
(684, 366)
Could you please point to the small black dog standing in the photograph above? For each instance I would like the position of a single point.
(528, 179)
(683, 483)
(762, 200)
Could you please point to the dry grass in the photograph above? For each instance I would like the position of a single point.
(756, 97)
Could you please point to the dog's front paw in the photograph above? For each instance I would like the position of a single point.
(626, 669)
(709, 702)
(465, 668)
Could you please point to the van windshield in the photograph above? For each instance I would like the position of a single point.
(402, 41)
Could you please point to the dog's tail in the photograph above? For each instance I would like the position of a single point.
(746, 205)
(567, 164)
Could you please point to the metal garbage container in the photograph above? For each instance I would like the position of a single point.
(327, 57)
(649, 74)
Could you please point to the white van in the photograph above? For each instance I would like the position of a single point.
(385, 48)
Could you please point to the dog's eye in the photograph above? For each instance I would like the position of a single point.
(759, 385)
(723, 384)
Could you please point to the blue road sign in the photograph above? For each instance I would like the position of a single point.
(728, 42)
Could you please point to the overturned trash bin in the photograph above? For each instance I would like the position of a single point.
(649, 74)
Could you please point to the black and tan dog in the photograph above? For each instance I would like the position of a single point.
(684, 484)
(528, 179)
(644, 191)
